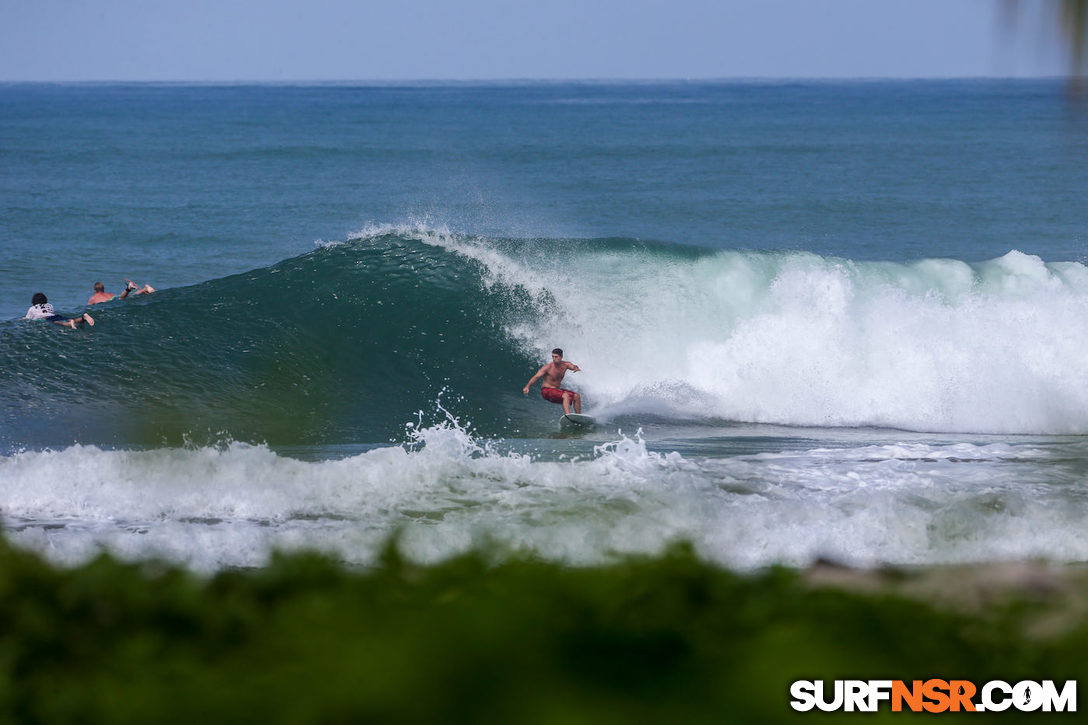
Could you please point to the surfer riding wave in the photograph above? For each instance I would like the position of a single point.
(553, 373)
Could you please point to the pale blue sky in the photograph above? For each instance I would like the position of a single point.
(289, 40)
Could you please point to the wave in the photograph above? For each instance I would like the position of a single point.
(793, 338)
(346, 343)
(447, 492)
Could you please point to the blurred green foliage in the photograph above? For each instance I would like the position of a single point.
(306, 640)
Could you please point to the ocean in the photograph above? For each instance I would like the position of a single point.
(842, 320)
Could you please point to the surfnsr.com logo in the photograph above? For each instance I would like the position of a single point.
(934, 696)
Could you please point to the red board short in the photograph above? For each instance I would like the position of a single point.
(555, 395)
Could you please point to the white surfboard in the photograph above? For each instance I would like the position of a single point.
(576, 421)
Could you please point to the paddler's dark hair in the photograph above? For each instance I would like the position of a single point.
(557, 351)
(38, 299)
(99, 287)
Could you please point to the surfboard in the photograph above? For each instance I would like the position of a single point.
(576, 421)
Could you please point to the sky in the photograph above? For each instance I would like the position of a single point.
(344, 40)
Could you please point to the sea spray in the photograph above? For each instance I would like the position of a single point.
(446, 491)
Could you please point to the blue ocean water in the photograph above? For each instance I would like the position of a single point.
(183, 184)
(837, 319)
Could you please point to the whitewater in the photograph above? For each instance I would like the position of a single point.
(796, 339)
(447, 493)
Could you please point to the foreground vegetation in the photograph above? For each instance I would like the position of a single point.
(667, 639)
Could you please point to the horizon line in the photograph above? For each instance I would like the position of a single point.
(520, 81)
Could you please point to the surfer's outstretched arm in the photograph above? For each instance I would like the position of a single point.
(538, 376)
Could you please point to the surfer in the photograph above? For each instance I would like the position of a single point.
(101, 295)
(553, 373)
(41, 309)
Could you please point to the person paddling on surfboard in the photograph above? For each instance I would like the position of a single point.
(553, 374)
(101, 295)
(42, 309)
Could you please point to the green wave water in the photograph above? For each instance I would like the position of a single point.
(346, 342)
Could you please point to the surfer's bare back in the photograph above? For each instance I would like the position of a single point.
(553, 373)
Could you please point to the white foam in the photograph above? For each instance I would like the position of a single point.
(447, 492)
(796, 339)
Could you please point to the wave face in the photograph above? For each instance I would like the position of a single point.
(347, 342)
(344, 343)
